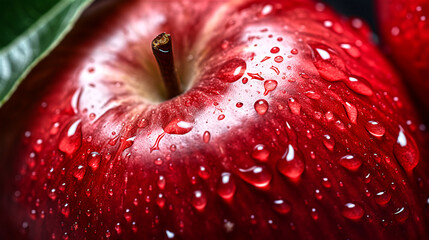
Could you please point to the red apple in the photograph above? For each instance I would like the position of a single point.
(291, 125)
(404, 26)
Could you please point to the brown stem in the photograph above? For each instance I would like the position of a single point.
(163, 52)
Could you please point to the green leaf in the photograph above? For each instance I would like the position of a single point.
(30, 29)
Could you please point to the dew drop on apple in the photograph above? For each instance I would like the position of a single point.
(178, 126)
(314, 214)
(258, 175)
(78, 172)
(161, 182)
(239, 104)
(118, 228)
(261, 106)
(269, 86)
(351, 111)
(329, 65)
(261, 153)
(278, 59)
(203, 172)
(295, 106)
(226, 186)
(275, 50)
(281, 206)
(312, 95)
(351, 50)
(359, 85)
(52, 194)
(329, 142)
(291, 164)
(326, 183)
(375, 129)
(199, 200)
(406, 151)
(352, 211)
(401, 214)
(232, 70)
(65, 210)
(94, 160)
(127, 215)
(382, 198)
(71, 138)
(350, 162)
(206, 136)
(256, 76)
(160, 200)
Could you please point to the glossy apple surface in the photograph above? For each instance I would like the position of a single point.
(404, 25)
(292, 125)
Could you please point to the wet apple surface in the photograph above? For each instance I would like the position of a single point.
(291, 125)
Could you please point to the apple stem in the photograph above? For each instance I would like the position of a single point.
(163, 51)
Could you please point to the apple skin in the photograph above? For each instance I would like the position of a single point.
(404, 30)
(293, 125)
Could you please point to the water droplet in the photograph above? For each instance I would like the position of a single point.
(94, 160)
(281, 206)
(232, 70)
(52, 194)
(160, 200)
(312, 95)
(221, 117)
(359, 85)
(65, 210)
(178, 126)
(326, 183)
(55, 128)
(260, 153)
(203, 173)
(258, 176)
(71, 138)
(265, 59)
(329, 65)
(294, 106)
(401, 215)
(275, 50)
(278, 59)
(275, 69)
(206, 136)
(170, 234)
(226, 186)
(328, 142)
(255, 76)
(291, 164)
(239, 104)
(127, 215)
(161, 182)
(350, 162)
(199, 200)
(269, 86)
(351, 50)
(375, 129)
(352, 211)
(261, 106)
(294, 51)
(382, 198)
(79, 171)
(351, 112)
(406, 151)
(267, 9)
(314, 214)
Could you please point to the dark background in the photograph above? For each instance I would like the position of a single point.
(355, 8)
